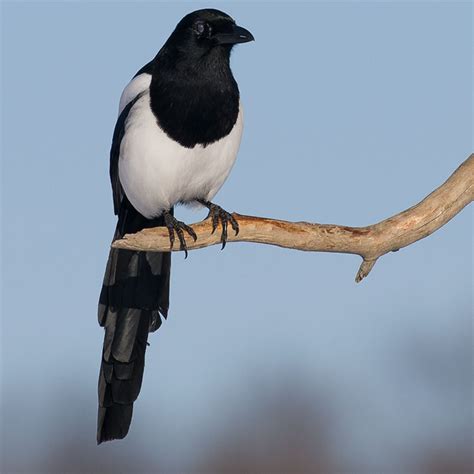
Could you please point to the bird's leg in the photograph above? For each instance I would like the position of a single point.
(173, 226)
(216, 213)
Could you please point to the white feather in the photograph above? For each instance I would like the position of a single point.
(156, 172)
(137, 85)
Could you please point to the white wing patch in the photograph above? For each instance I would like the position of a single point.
(137, 85)
(156, 172)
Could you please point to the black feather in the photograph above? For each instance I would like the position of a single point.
(146, 69)
(195, 100)
(134, 297)
(193, 93)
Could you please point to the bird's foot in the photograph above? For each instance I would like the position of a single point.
(173, 225)
(216, 213)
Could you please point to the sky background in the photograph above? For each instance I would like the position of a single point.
(353, 111)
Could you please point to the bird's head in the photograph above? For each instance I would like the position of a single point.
(205, 30)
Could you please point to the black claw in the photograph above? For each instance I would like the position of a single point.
(171, 234)
(224, 232)
(190, 231)
(175, 226)
(216, 213)
(234, 224)
(185, 250)
(215, 220)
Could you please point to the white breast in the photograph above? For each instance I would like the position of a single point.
(156, 172)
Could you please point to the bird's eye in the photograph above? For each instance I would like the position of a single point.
(202, 28)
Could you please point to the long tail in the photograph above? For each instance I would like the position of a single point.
(134, 296)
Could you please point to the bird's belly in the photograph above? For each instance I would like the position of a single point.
(156, 172)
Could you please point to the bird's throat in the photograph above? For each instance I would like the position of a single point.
(195, 102)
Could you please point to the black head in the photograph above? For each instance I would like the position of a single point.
(193, 93)
(204, 30)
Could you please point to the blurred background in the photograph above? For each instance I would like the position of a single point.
(271, 360)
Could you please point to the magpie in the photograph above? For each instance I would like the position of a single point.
(175, 141)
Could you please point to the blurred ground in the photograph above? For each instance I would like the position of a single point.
(290, 430)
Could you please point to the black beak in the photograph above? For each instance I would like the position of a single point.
(238, 35)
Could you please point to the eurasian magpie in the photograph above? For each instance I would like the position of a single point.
(175, 142)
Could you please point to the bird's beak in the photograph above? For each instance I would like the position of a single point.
(238, 35)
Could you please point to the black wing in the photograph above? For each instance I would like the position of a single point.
(119, 132)
(146, 69)
(133, 300)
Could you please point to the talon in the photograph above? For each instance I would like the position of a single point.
(175, 226)
(234, 224)
(224, 232)
(215, 219)
(190, 231)
(171, 235)
(216, 213)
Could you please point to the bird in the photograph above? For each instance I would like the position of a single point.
(175, 142)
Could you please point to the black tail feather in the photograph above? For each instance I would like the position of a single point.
(134, 296)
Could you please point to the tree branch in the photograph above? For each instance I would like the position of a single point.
(369, 242)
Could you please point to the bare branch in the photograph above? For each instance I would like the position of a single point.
(369, 242)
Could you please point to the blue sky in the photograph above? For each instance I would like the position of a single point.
(353, 111)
